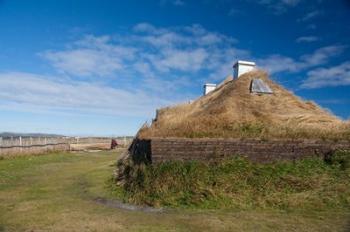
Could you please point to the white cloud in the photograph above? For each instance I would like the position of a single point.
(173, 2)
(183, 49)
(279, 6)
(91, 56)
(234, 12)
(84, 62)
(188, 49)
(156, 53)
(166, 39)
(311, 26)
(310, 15)
(148, 67)
(326, 77)
(290, 2)
(51, 93)
(321, 55)
(307, 39)
(152, 66)
(143, 27)
(186, 61)
(194, 35)
(279, 63)
(178, 3)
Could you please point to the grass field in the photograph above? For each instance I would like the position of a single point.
(56, 192)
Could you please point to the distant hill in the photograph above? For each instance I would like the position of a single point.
(34, 135)
(232, 110)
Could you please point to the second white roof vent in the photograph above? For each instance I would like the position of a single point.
(208, 88)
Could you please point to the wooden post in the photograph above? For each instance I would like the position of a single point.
(20, 143)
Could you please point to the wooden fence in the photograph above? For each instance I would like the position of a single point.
(30, 145)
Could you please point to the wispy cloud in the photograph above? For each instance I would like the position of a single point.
(91, 56)
(311, 26)
(178, 2)
(161, 50)
(234, 12)
(279, 63)
(194, 35)
(175, 59)
(325, 77)
(153, 51)
(279, 6)
(310, 15)
(307, 39)
(173, 2)
(321, 55)
(162, 61)
(147, 67)
(51, 93)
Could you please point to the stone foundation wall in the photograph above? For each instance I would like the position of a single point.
(157, 150)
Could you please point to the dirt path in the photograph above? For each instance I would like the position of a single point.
(120, 205)
(58, 192)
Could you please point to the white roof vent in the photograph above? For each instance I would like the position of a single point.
(241, 67)
(208, 88)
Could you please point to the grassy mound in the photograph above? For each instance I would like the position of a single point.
(238, 183)
(233, 111)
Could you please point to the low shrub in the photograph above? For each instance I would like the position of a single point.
(341, 159)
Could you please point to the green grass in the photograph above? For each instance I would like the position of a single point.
(56, 192)
(309, 184)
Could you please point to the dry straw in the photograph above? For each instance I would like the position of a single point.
(232, 111)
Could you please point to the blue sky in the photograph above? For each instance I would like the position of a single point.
(103, 67)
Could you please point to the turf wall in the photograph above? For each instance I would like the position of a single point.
(157, 150)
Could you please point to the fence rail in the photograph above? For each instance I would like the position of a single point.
(15, 145)
(30, 141)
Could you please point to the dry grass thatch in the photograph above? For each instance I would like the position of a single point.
(232, 111)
